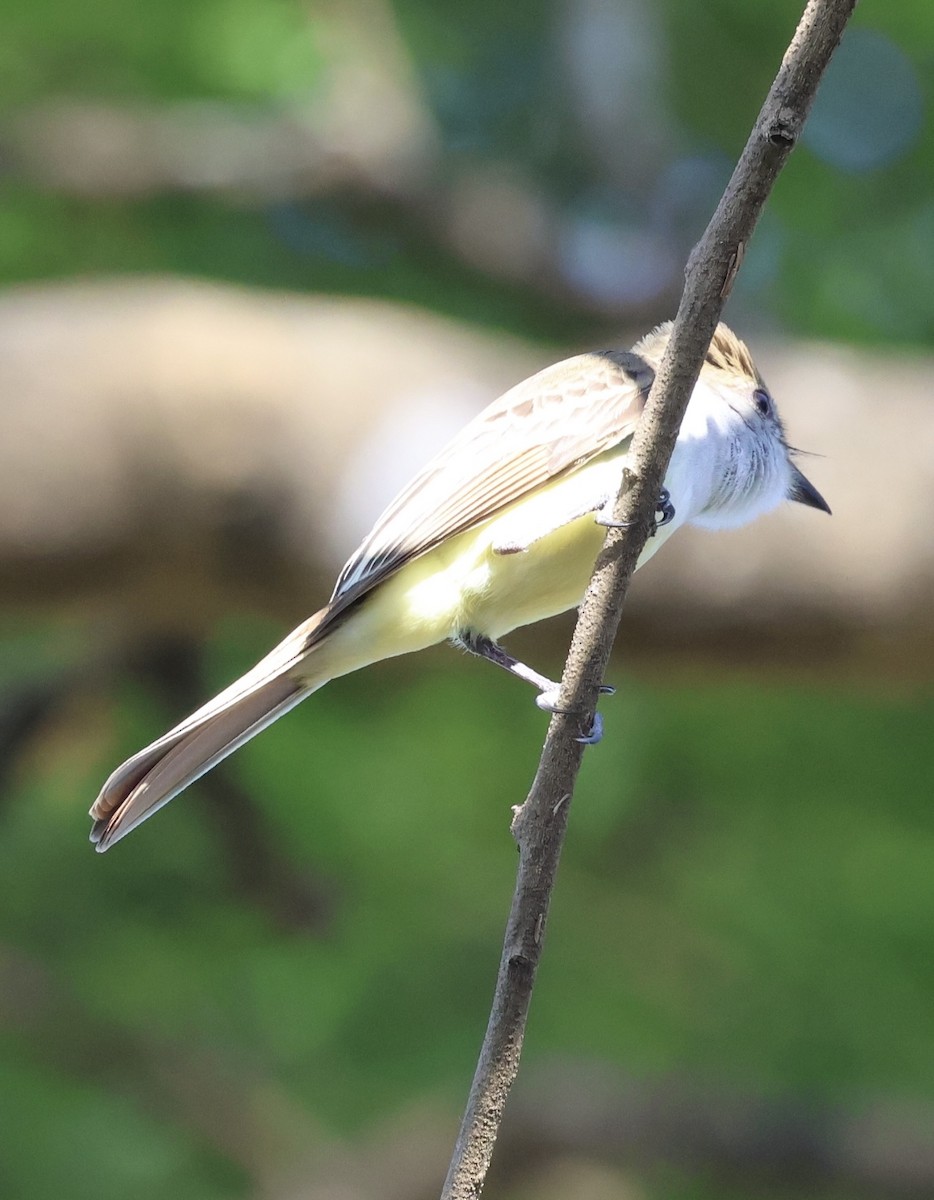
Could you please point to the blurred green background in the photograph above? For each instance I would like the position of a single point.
(278, 987)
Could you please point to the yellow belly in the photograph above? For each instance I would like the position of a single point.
(548, 578)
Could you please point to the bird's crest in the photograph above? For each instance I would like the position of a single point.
(728, 353)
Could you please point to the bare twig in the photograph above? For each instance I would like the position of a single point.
(540, 823)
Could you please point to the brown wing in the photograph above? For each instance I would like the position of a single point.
(552, 422)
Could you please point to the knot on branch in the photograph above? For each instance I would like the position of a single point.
(782, 130)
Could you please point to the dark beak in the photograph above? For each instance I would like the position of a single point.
(805, 492)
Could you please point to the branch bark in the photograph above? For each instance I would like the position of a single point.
(539, 825)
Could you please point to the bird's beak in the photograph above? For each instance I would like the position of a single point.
(802, 490)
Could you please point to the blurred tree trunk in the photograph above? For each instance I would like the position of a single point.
(173, 451)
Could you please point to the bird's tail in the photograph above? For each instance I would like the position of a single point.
(156, 774)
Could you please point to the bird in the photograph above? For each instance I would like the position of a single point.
(499, 530)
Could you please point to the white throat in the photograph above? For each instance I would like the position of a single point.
(728, 469)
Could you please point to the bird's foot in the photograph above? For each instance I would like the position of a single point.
(596, 732)
(548, 701)
(664, 507)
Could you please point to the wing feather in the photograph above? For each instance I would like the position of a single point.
(547, 425)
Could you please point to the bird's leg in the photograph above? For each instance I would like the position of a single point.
(664, 506)
(547, 698)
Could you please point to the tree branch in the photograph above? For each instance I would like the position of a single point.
(540, 823)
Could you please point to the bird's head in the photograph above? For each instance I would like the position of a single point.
(757, 468)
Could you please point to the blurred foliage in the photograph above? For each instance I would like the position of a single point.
(843, 251)
(745, 896)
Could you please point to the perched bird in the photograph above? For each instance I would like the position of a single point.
(500, 529)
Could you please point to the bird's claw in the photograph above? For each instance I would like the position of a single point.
(548, 701)
(596, 732)
(664, 506)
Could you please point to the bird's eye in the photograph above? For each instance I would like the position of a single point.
(763, 402)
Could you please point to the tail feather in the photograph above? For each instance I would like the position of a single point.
(151, 778)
